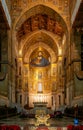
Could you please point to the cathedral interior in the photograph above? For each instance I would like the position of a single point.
(41, 53)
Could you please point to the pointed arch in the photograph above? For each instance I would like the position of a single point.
(39, 8)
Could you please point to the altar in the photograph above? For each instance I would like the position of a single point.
(40, 107)
(41, 113)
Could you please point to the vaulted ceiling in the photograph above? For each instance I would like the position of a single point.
(41, 25)
(39, 22)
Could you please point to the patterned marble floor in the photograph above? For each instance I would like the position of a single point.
(62, 122)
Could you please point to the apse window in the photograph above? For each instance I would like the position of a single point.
(59, 99)
(39, 87)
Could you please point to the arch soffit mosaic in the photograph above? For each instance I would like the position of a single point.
(39, 34)
(38, 37)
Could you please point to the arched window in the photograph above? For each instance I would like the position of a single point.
(20, 70)
(40, 87)
(59, 99)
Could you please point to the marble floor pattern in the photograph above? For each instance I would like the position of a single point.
(61, 122)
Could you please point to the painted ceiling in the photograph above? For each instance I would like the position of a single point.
(40, 24)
